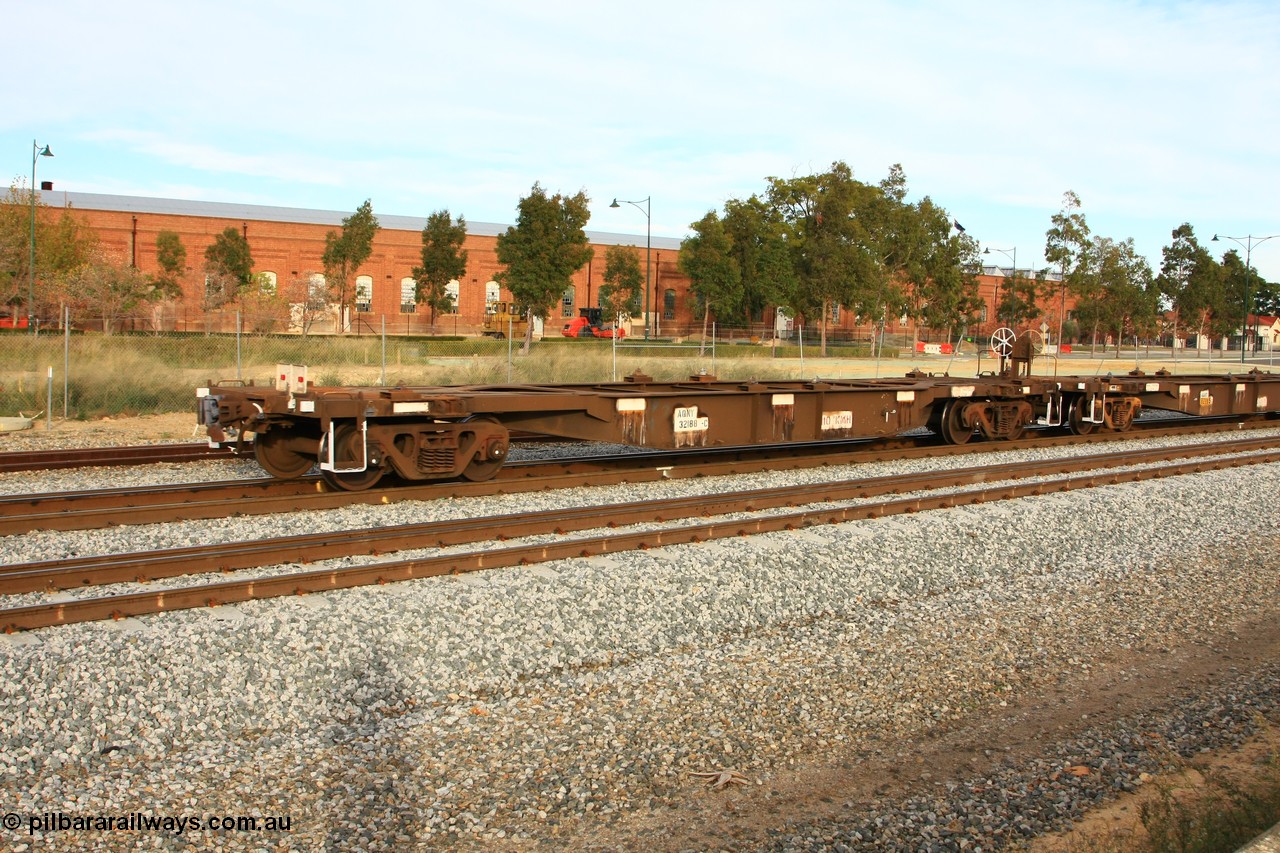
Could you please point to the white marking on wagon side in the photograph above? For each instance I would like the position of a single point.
(783, 399)
(906, 396)
(631, 404)
(1153, 386)
(1262, 403)
(837, 421)
(411, 407)
(962, 390)
(308, 406)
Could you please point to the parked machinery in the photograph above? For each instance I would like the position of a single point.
(358, 434)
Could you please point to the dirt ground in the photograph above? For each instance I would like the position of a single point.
(740, 818)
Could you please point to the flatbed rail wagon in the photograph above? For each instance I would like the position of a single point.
(358, 434)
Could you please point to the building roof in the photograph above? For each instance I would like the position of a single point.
(268, 213)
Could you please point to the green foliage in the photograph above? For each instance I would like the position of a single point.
(107, 290)
(344, 253)
(443, 260)
(171, 257)
(228, 266)
(758, 243)
(624, 283)
(543, 250)
(714, 278)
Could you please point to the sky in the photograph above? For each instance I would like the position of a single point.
(1153, 113)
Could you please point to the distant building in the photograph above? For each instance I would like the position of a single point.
(287, 245)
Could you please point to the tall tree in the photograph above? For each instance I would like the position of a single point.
(171, 258)
(1068, 246)
(108, 290)
(228, 267)
(1129, 302)
(623, 282)
(1188, 275)
(835, 249)
(715, 280)
(543, 250)
(443, 261)
(758, 238)
(345, 253)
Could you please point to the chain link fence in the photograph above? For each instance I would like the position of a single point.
(82, 372)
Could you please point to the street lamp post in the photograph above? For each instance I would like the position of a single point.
(648, 248)
(1012, 257)
(36, 153)
(1248, 242)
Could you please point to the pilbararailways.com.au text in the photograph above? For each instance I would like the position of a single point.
(47, 822)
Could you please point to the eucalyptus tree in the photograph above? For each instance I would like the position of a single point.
(171, 259)
(228, 268)
(543, 250)
(715, 280)
(1069, 246)
(623, 285)
(1188, 276)
(1128, 303)
(443, 260)
(345, 253)
(834, 249)
(758, 242)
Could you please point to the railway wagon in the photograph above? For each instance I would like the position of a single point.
(358, 434)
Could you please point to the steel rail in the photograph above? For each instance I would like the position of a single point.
(141, 454)
(93, 509)
(130, 604)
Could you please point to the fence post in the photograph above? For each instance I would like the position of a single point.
(510, 329)
(48, 409)
(66, 358)
(713, 351)
(800, 332)
(238, 377)
(383, 380)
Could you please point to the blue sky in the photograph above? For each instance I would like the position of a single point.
(1154, 113)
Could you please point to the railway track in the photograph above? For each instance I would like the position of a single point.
(930, 491)
(142, 454)
(97, 508)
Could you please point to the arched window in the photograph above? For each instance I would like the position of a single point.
(566, 302)
(364, 292)
(452, 290)
(835, 312)
(408, 295)
(317, 291)
(267, 282)
(669, 305)
(492, 293)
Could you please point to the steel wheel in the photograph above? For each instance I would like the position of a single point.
(346, 454)
(276, 452)
(952, 426)
(483, 466)
(1076, 422)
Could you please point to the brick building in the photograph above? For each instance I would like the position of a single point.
(287, 245)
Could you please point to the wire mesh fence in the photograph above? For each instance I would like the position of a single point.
(82, 372)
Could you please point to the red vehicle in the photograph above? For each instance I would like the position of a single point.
(587, 325)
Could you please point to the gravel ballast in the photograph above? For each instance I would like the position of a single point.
(525, 706)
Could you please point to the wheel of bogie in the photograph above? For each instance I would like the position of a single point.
(1075, 420)
(952, 426)
(347, 446)
(1016, 431)
(499, 336)
(273, 451)
(482, 468)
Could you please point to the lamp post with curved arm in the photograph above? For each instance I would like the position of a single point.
(648, 248)
(1248, 242)
(1012, 257)
(36, 153)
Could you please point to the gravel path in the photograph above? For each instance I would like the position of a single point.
(567, 704)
